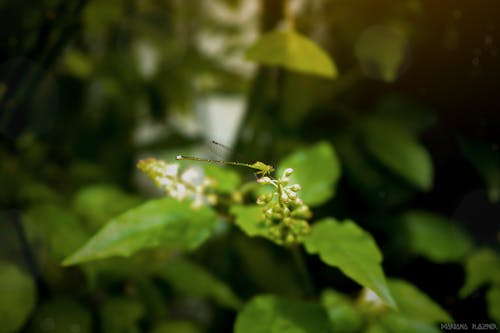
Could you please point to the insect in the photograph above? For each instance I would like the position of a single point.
(262, 168)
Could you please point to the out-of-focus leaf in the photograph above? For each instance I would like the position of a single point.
(226, 180)
(191, 279)
(435, 237)
(121, 315)
(61, 315)
(397, 323)
(406, 113)
(344, 317)
(271, 314)
(298, 97)
(481, 266)
(267, 267)
(55, 227)
(352, 250)
(98, 15)
(158, 222)
(493, 300)
(99, 203)
(177, 327)
(399, 151)
(17, 297)
(369, 178)
(414, 304)
(486, 159)
(381, 52)
(376, 328)
(292, 51)
(37, 193)
(78, 64)
(316, 170)
(249, 219)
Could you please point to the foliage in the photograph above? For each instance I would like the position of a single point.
(341, 217)
(292, 51)
(18, 296)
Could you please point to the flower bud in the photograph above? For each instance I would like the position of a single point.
(287, 172)
(262, 200)
(264, 180)
(292, 195)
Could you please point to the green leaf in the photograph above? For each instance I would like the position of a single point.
(35, 192)
(249, 220)
(226, 180)
(405, 112)
(435, 237)
(344, 317)
(298, 96)
(375, 327)
(481, 266)
(121, 315)
(61, 315)
(493, 301)
(267, 267)
(352, 250)
(381, 52)
(271, 314)
(191, 279)
(399, 151)
(316, 169)
(99, 203)
(78, 64)
(18, 295)
(486, 159)
(55, 228)
(292, 51)
(158, 222)
(414, 304)
(397, 323)
(368, 177)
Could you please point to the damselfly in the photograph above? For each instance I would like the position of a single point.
(262, 168)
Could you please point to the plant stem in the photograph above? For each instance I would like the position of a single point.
(288, 13)
(298, 258)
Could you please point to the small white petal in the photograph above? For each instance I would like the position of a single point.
(171, 170)
(287, 172)
(191, 176)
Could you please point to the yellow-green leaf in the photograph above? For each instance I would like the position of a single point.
(157, 222)
(352, 250)
(396, 323)
(493, 300)
(481, 267)
(435, 237)
(343, 315)
(316, 169)
(271, 314)
(17, 297)
(191, 279)
(293, 51)
(415, 304)
(249, 219)
(381, 52)
(399, 151)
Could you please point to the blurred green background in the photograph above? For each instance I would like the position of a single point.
(87, 88)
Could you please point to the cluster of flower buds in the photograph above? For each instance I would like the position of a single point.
(285, 214)
(188, 184)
